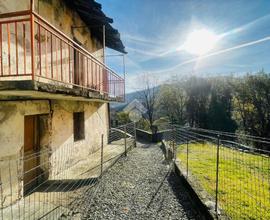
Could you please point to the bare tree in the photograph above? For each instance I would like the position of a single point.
(148, 96)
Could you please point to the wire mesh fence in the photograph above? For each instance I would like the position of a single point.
(50, 184)
(230, 172)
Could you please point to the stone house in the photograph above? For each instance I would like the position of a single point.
(55, 88)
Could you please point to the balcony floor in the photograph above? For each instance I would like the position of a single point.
(29, 89)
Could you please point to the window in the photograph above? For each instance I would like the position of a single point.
(78, 126)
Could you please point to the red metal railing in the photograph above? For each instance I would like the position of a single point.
(31, 48)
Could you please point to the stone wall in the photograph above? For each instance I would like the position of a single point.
(56, 129)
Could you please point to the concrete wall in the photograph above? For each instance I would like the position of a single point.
(57, 137)
(149, 136)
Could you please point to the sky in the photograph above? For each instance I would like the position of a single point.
(154, 32)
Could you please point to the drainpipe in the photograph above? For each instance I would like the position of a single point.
(109, 115)
(124, 69)
(104, 43)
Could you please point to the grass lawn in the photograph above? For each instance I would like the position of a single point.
(244, 182)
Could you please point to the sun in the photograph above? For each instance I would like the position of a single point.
(200, 42)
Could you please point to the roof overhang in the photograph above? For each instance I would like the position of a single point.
(93, 16)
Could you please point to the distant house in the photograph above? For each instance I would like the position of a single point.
(54, 86)
(135, 105)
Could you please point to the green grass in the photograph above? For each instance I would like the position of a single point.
(244, 185)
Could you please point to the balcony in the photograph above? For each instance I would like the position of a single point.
(35, 56)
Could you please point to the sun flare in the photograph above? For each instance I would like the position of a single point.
(200, 42)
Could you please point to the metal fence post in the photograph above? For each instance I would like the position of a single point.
(217, 173)
(174, 144)
(187, 157)
(125, 138)
(173, 148)
(32, 40)
(135, 135)
(1, 194)
(101, 159)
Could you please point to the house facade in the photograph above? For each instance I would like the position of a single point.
(55, 88)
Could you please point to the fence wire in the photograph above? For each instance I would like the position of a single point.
(229, 171)
(62, 181)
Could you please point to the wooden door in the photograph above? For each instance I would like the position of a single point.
(79, 74)
(78, 65)
(31, 153)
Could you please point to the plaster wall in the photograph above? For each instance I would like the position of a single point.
(56, 141)
(64, 18)
(7, 6)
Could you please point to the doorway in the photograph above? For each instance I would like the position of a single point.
(78, 65)
(31, 162)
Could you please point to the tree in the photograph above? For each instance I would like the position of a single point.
(198, 92)
(148, 97)
(220, 106)
(172, 102)
(122, 118)
(218, 103)
(252, 104)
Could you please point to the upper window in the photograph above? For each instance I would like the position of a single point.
(78, 126)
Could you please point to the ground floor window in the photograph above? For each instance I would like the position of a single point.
(78, 126)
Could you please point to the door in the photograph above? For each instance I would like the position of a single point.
(31, 153)
(78, 65)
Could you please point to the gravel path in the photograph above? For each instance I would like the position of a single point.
(140, 186)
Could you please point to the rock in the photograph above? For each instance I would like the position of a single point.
(210, 205)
